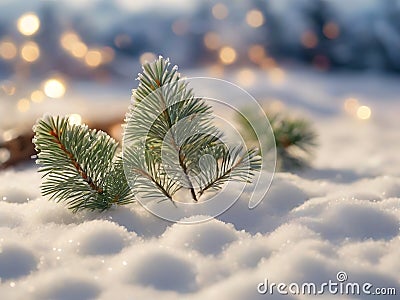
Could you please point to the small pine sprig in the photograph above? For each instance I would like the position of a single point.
(79, 165)
(295, 138)
(172, 137)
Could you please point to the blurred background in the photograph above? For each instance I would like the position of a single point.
(326, 58)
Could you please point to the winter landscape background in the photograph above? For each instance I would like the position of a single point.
(332, 62)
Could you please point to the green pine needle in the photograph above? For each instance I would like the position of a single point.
(79, 165)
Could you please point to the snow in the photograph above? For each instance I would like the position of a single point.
(340, 215)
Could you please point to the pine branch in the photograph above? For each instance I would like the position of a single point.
(78, 165)
(177, 127)
(295, 139)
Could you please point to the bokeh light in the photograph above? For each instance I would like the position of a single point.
(23, 105)
(212, 40)
(30, 51)
(331, 30)
(75, 119)
(93, 58)
(216, 70)
(107, 54)
(246, 77)
(68, 39)
(227, 55)
(256, 53)
(54, 88)
(79, 49)
(220, 11)
(8, 87)
(8, 50)
(351, 105)
(122, 41)
(364, 112)
(255, 18)
(28, 24)
(309, 39)
(147, 57)
(37, 96)
(276, 75)
(180, 27)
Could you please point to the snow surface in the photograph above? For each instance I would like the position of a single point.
(340, 215)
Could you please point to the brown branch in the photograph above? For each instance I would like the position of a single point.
(21, 149)
(77, 166)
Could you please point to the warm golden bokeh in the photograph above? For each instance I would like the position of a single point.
(30, 51)
(79, 49)
(147, 57)
(68, 39)
(122, 40)
(212, 40)
(93, 58)
(216, 70)
(75, 119)
(220, 11)
(309, 39)
(276, 75)
(331, 30)
(255, 18)
(256, 53)
(351, 105)
(8, 87)
(8, 50)
(107, 54)
(37, 96)
(54, 88)
(364, 112)
(28, 24)
(246, 77)
(23, 105)
(180, 27)
(227, 55)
